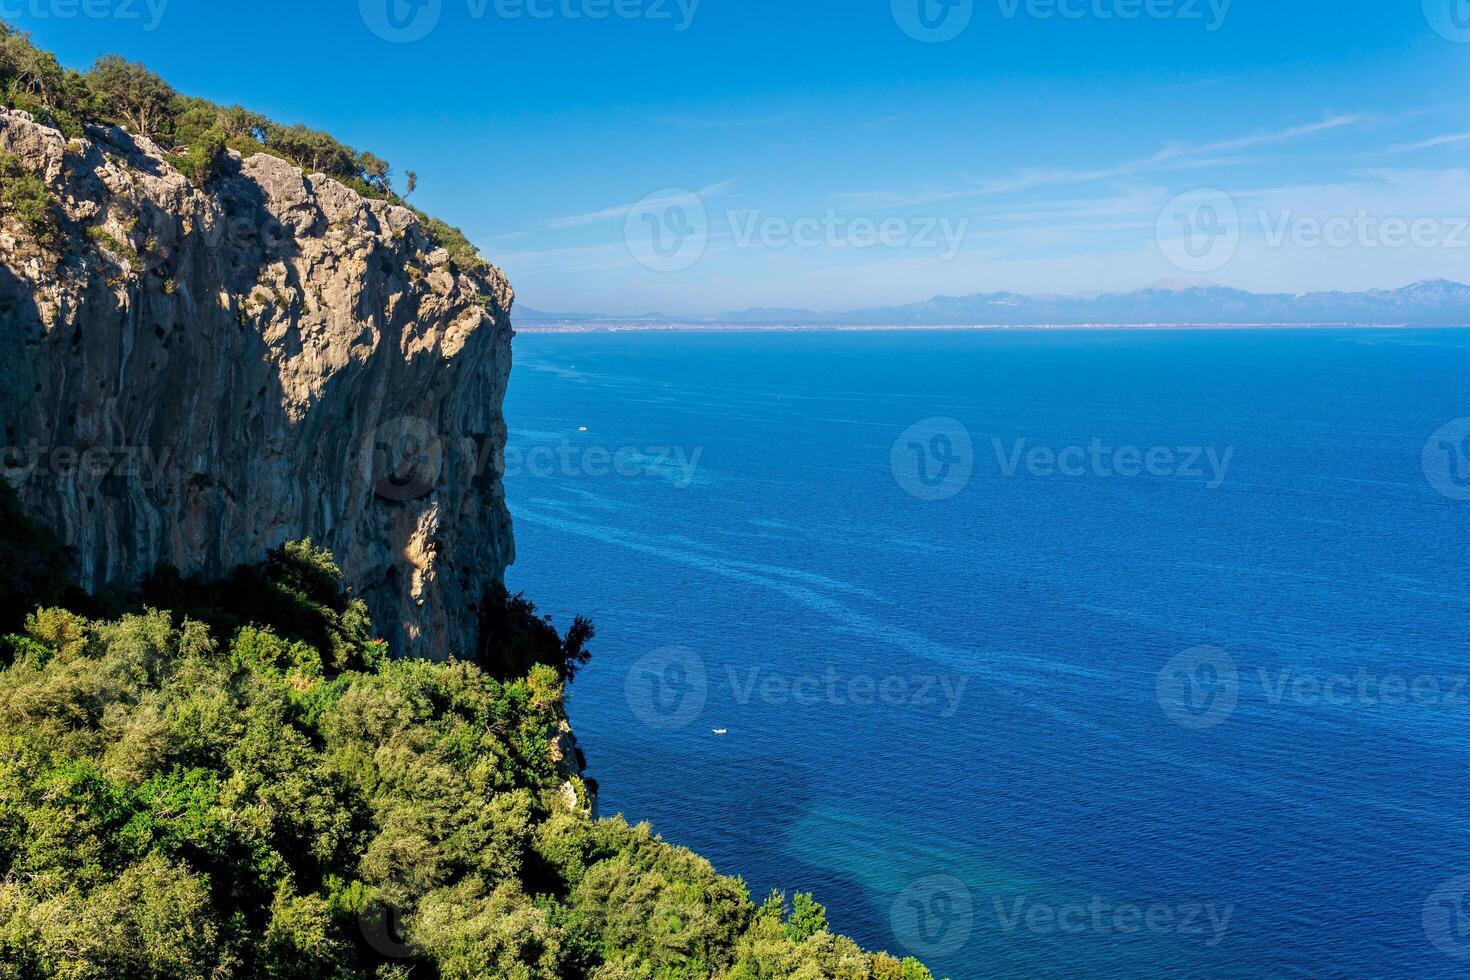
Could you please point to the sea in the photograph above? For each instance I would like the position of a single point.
(1031, 653)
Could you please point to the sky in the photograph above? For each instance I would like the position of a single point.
(693, 156)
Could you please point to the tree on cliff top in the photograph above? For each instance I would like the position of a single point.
(126, 93)
(514, 639)
(135, 95)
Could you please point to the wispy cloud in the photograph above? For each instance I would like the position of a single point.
(1259, 139)
(1172, 157)
(873, 125)
(723, 122)
(622, 210)
(1430, 143)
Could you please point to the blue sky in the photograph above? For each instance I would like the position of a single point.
(827, 154)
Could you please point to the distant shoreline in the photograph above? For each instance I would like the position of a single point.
(582, 327)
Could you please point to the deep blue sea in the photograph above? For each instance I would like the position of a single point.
(1041, 653)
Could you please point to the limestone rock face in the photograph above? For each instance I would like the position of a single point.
(194, 377)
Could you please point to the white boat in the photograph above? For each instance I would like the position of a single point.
(722, 731)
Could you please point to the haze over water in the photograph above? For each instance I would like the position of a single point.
(984, 727)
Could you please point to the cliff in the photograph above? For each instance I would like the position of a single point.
(196, 376)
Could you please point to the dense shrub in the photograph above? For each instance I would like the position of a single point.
(201, 160)
(514, 639)
(26, 198)
(250, 788)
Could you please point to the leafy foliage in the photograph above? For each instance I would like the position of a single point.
(202, 161)
(125, 93)
(129, 92)
(513, 639)
(250, 787)
(26, 198)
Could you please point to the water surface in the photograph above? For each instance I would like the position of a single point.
(945, 715)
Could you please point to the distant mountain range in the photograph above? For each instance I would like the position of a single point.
(1437, 302)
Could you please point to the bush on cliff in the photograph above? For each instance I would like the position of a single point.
(26, 198)
(251, 788)
(514, 639)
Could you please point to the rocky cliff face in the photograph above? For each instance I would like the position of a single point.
(195, 376)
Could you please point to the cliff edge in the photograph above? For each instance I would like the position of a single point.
(194, 376)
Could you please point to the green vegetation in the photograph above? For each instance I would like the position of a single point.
(194, 132)
(250, 787)
(515, 640)
(100, 237)
(25, 197)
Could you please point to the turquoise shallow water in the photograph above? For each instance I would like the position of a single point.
(1205, 720)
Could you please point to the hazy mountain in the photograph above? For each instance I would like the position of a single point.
(1436, 302)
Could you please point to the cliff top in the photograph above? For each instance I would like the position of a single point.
(194, 136)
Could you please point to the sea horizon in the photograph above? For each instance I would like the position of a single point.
(577, 327)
